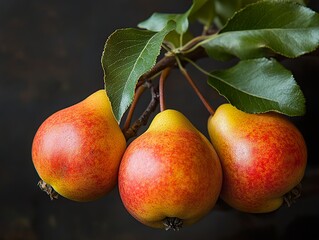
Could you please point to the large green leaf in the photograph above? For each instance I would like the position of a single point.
(265, 28)
(260, 85)
(127, 55)
(225, 9)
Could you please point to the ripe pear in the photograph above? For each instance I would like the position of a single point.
(263, 157)
(78, 150)
(170, 175)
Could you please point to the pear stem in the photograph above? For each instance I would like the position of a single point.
(162, 80)
(138, 93)
(195, 88)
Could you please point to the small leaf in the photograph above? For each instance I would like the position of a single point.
(204, 14)
(265, 28)
(175, 39)
(158, 21)
(198, 5)
(127, 55)
(260, 85)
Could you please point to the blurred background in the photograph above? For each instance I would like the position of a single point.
(49, 59)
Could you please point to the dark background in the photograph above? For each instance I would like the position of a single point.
(49, 59)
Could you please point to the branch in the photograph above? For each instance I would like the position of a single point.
(142, 120)
(195, 88)
(162, 80)
(165, 62)
(170, 62)
(138, 92)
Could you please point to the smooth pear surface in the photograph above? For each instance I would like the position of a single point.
(77, 150)
(263, 157)
(171, 170)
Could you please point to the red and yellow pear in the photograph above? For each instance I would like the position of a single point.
(263, 157)
(77, 150)
(170, 175)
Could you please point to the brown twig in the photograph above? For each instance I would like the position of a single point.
(170, 61)
(165, 62)
(162, 80)
(195, 88)
(142, 120)
(138, 93)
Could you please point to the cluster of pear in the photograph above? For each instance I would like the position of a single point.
(171, 175)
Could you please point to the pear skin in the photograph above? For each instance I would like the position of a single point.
(171, 172)
(77, 150)
(263, 157)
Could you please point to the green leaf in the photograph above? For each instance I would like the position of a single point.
(225, 9)
(158, 21)
(198, 5)
(127, 55)
(205, 14)
(260, 85)
(266, 28)
(175, 39)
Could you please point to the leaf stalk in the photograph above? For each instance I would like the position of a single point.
(195, 88)
(162, 80)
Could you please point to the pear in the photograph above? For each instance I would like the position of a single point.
(77, 150)
(263, 158)
(170, 175)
